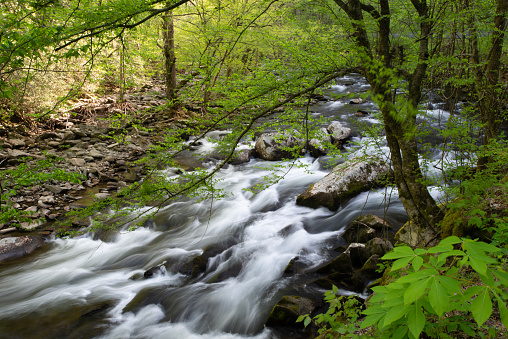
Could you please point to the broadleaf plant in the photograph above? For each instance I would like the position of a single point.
(441, 285)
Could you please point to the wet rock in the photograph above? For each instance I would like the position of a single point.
(16, 247)
(287, 311)
(369, 272)
(361, 113)
(76, 206)
(277, 146)
(155, 270)
(31, 225)
(367, 227)
(240, 157)
(317, 145)
(101, 196)
(344, 182)
(356, 253)
(130, 175)
(357, 101)
(341, 264)
(47, 199)
(338, 132)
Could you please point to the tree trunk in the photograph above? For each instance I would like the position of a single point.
(121, 94)
(169, 56)
(421, 208)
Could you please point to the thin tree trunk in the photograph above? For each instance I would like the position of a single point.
(169, 56)
(122, 71)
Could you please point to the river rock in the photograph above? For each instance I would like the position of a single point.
(357, 101)
(16, 247)
(338, 133)
(240, 157)
(274, 146)
(317, 145)
(369, 272)
(68, 135)
(101, 196)
(287, 311)
(16, 143)
(95, 154)
(78, 162)
(31, 225)
(344, 182)
(367, 227)
(341, 264)
(16, 154)
(356, 252)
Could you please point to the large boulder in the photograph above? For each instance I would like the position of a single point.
(338, 133)
(16, 247)
(344, 182)
(277, 146)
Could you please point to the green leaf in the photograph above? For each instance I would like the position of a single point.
(394, 314)
(438, 297)
(445, 255)
(480, 246)
(416, 320)
(502, 276)
(401, 263)
(478, 265)
(440, 248)
(503, 312)
(417, 263)
(451, 285)
(399, 252)
(372, 319)
(306, 322)
(416, 290)
(481, 307)
(472, 291)
(411, 277)
(450, 240)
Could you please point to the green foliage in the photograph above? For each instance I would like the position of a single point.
(341, 317)
(436, 289)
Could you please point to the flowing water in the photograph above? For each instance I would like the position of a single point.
(88, 288)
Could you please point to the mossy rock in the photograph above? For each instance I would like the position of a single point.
(456, 222)
(288, 309)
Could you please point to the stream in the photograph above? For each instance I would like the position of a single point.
(89, 288)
